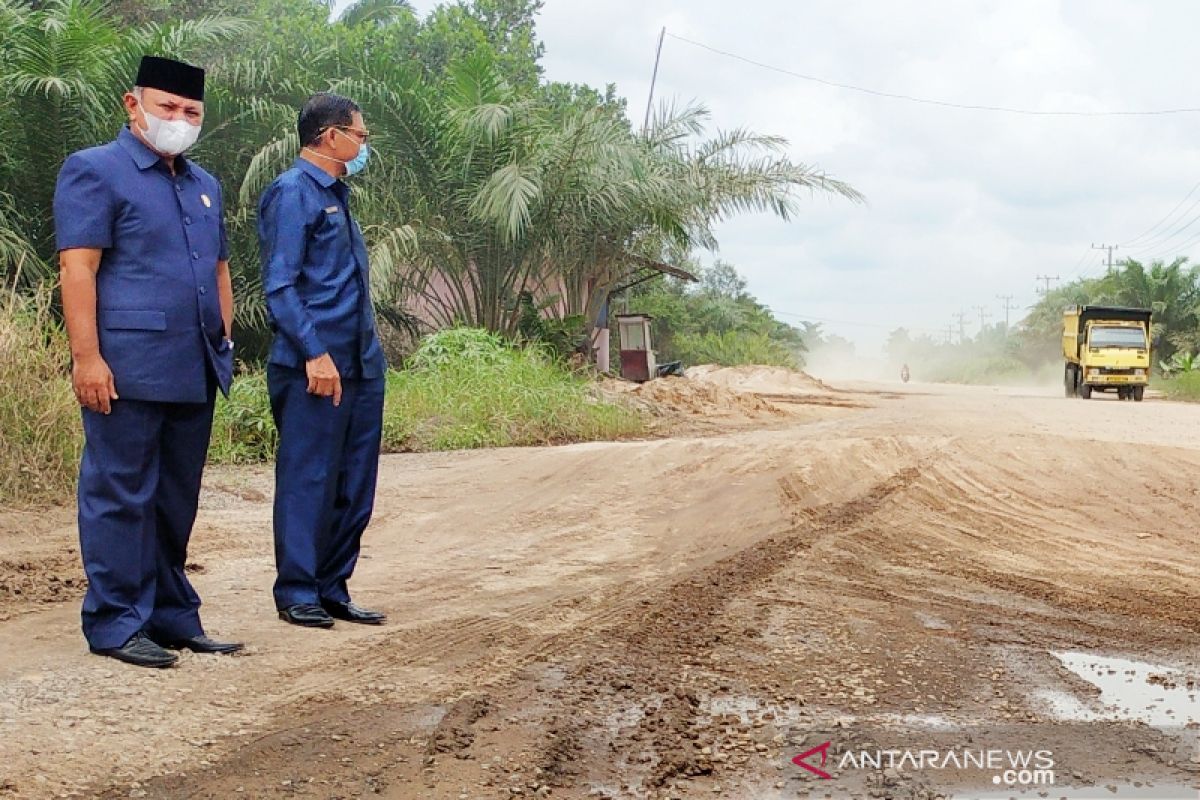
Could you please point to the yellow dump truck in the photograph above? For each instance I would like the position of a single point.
(1106, 350)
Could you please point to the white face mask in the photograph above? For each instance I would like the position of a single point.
(170, 137)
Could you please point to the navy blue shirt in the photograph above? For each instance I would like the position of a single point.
(315, 274)
(158, 312)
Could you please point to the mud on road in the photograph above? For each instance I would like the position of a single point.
(825, 571)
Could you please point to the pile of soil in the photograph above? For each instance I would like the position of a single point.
(759, 379)
(674, 396)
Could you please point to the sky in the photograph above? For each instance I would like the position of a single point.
(964, 206)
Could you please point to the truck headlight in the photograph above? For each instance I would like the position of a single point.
(1139, 373)
(1093, 373)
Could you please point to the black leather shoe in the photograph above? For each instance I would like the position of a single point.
(306, 616)
(203, 644)
(139, 651)
(352, 613)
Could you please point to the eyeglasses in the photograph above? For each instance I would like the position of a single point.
(363, 136)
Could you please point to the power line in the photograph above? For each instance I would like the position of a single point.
(1081, 265)
(1047, 279)
(1170, 213)
(1109, 248)
(1008, 306)
(1152, 245)
(1175, 250)
(962, 326)
(1099, 262)
(931, 102)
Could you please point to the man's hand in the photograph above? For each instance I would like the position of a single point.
(93, 381)
(323, 378)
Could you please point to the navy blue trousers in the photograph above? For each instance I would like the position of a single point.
(325, 475)
(139, 483)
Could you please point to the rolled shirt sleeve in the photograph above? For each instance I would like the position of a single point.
(83, 207)
(282, 238)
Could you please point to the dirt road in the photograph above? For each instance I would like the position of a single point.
(872, 569)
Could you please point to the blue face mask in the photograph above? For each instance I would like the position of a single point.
(359, 162)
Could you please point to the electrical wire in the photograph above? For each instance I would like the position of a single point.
(1175, 251)
(1159, 243)
(931, 102)
(1170, 213)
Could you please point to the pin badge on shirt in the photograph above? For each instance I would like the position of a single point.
(332, 210)
(204, 199)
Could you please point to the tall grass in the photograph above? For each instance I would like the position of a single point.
(467, 389)
(463, 389)
(1184, 386)
(40, 430)
(243, 431)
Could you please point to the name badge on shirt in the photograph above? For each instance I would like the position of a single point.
(332, 210)
(204, 199)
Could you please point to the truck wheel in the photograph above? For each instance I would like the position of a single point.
(1085, 391)
(1069, 381)
(1138, 393)
(1122, 394)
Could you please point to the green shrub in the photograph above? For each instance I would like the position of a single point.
(464, 389)
(467, 389)
(243, 430)
(1184, 386)
(455, 346)
(39, 417)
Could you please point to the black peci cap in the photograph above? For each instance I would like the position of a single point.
(171, 76)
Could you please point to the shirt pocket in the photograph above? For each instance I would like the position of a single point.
(124, 319)
(334, 226)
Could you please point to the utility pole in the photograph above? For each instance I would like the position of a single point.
(983, 316)
(1047, 279)
(653, 79)
(949, 334)
(1008, 306)
(1109, 248)
(962, 326)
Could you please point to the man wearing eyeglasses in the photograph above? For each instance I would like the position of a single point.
(325, 372)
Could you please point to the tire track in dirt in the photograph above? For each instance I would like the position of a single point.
(672, 638)
(650, 659)
(555, 693)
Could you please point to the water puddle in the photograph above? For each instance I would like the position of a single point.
(1162, 697)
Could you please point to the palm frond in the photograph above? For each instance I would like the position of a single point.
(265, 166)
(375, 12)
(506, 200)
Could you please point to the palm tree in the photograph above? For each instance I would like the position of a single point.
(499, 193)
(479, 192)
(1171, 291)
(63, 68)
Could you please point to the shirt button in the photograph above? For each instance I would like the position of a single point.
(187, 220)
(178, 188)
(203, 290)
(195, 255)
